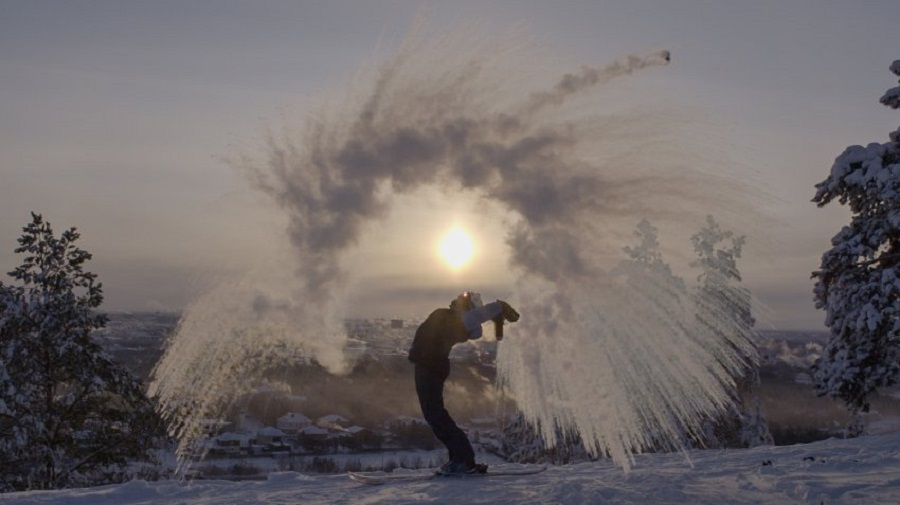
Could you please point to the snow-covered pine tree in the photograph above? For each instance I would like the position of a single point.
(724, 310)
(647, 272)
(69, 415)
(857, 283)
(891, 97)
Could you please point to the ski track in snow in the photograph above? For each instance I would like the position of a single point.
(864, 470)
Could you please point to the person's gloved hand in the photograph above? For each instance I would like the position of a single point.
(508, 313)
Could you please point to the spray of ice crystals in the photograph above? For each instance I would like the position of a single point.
(228, 341)
(609, 359)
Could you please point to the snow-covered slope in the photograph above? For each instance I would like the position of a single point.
(863, 470)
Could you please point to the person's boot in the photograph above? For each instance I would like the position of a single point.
(454, 468)
(478, 468)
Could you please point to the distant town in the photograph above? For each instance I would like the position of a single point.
(306, 411)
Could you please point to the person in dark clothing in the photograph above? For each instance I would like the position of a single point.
(430, 352)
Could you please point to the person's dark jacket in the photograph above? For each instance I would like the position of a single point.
(435, 338)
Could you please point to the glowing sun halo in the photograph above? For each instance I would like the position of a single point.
(456, 248)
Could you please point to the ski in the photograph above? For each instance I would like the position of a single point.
(379, 478)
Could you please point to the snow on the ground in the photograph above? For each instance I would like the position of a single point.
(864, 470)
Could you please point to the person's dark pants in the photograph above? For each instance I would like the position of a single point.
(430, 389)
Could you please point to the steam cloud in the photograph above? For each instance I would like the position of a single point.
(462, 113)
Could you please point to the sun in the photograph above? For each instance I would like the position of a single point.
(456, 248)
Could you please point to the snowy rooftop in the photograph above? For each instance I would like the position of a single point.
(231, 436)
(333, 418)
(294, 416)
(314, 430)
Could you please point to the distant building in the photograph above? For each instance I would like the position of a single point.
(269, 435)
(314, 439)
(333, 422)
(292, 422)
(314, 432)
(214, 427)
(231, 443)
(246, 422)
(359, 438)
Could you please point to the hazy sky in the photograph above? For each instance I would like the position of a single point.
(115, 117)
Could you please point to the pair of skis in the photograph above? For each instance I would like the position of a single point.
(379, 478)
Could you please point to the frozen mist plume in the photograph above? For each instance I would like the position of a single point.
(572, 175)
(224, 344)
